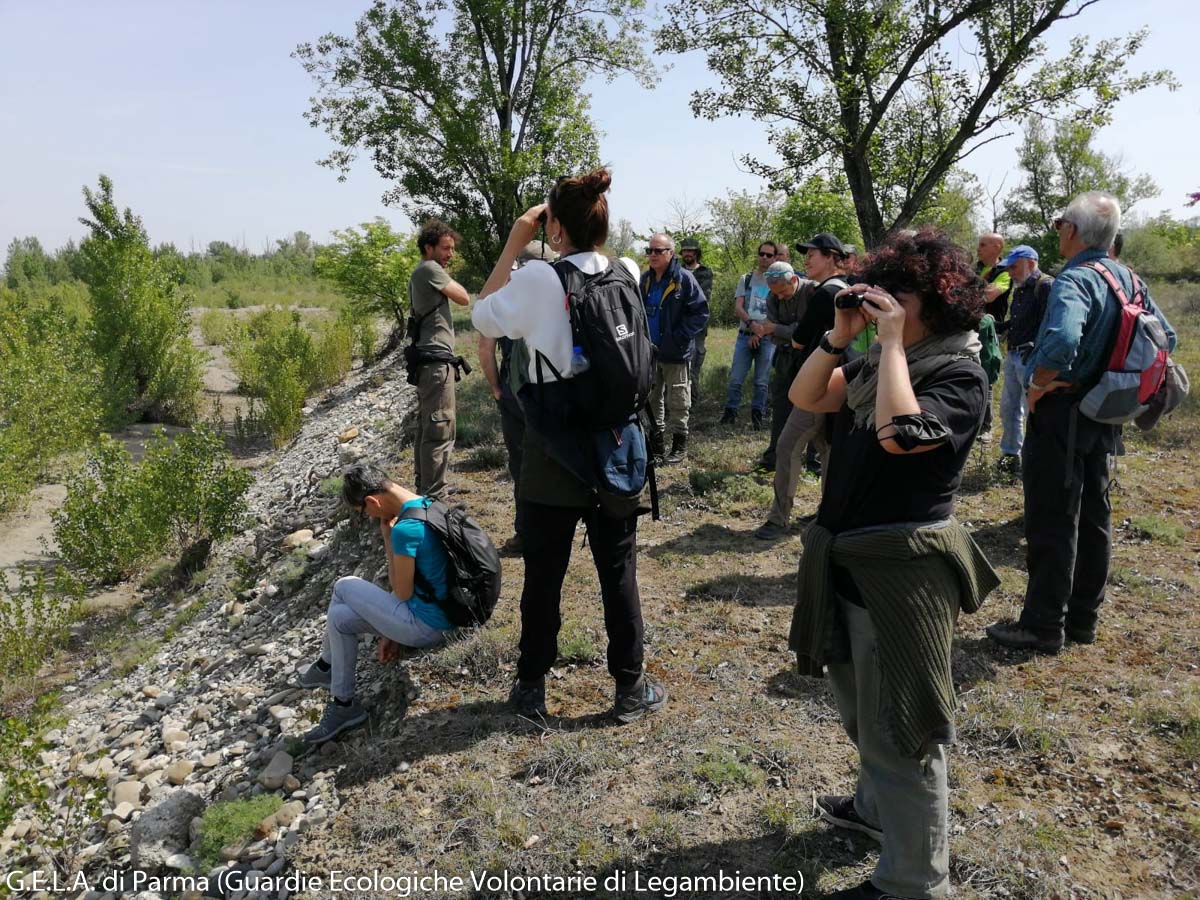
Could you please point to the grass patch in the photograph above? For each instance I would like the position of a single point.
(1178, 723)
(489, 456)
(478, 653)
(727, 769)
(570, 758)
(232, 822)
(578, 644)
(1020, 722)
(1159, 530)
(135, 653)
(216, 326)
(330, 487)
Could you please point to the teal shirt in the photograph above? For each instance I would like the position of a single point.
(410, 537)
(1080, 316)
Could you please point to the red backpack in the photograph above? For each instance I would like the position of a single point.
(1137, 368)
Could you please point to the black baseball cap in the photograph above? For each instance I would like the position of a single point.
(826, 242)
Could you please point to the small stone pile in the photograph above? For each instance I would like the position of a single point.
(214, 714)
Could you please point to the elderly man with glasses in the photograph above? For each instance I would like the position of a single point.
(750, 306)
(1066, 455)
(676, 311)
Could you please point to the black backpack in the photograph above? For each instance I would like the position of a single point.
(608, 322)
(473, 575)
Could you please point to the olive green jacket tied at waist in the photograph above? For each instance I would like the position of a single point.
(913, 579)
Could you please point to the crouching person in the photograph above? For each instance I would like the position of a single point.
(408, 615)
(885, 567)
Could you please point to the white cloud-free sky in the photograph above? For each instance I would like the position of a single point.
(195, 111)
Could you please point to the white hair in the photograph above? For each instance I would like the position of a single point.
(1097, 217)
(665, 237)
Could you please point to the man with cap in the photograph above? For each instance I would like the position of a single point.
(824, 258)
(785, 309)
(998, 290)
(506, 381)
(750, 306)
(690, 255)
(1030, 292)
(676, 311)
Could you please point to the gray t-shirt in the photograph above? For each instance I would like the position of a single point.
(427, 300)
(755, 300)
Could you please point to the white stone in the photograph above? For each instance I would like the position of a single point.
(276, 771)
(298, 538)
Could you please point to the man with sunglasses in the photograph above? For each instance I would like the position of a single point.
(1066, 455)
(676, 311)
(750, 306)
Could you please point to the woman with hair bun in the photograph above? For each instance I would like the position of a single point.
(528, 304)
(886, 567)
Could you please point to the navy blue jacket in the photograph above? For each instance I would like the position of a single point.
(684, 312)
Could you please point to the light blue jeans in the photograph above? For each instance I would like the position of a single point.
(743, 356)
(1013, 405)
(360, 607)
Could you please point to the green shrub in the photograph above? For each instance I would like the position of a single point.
(102, 528)
(333, 353)
(118, 516)
(216, 327)
(140, 321)
(270, 339)
(283, 402)
(232, 821)
(49, 402)
(36, 614)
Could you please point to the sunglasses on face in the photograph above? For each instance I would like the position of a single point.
(765, 254)
(655, 251)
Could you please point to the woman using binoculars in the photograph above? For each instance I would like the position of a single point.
(886, 568)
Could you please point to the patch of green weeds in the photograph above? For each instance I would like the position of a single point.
(231, 822)
(578, 644)
(727, 769)
(330, 487)
(1159, 530)
(569, 758)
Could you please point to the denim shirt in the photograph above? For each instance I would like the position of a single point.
(1075, 336)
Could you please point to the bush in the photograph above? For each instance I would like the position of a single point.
(334, 352)
(48, 398)
(117, 516)
(720, 304)
(232, 821)
(217, 327)
(140, 321)
(36, 614)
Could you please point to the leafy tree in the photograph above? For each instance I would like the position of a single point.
(953, 208)
(814, 206)
(1061, 165)
(472, 107)
(741, 221)
(139, 326)
(622, 240)
(876, 88)
(371, 266)
(27, 263)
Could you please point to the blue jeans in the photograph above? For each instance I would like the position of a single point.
(360, 607)
(1013, 405)
(743, 356)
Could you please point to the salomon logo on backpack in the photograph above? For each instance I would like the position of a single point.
(473, 573)
(1137, 366)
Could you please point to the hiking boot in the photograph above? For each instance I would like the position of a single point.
(657, 447)
(769, 531)
(337, 719)
(647, 696)
(678, 449)
(839, 811)
(1016, 636)
(314, 677)
(767, 461)
(729, 416)
(1009, 464)
(528, 698)
(756, 419)
(865, 891)
(512, 547)
(1080, 635)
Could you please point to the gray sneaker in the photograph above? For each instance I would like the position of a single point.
(336, 719)
(648, 696)
(315, 677)
(769, 531)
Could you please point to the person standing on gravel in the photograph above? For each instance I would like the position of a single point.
(406, 616)
(529, 304)
(430, 290)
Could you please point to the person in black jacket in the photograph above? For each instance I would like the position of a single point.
(1031, 290)
(677, 311)
(690, 254)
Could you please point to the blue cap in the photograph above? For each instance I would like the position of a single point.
(1021, 251)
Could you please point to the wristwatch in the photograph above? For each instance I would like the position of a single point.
(828, 347)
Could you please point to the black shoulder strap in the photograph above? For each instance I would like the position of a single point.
(422, 587)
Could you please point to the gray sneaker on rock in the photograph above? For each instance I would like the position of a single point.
(315, 677)
(337, 719)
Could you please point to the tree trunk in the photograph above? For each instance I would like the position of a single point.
(862, 189)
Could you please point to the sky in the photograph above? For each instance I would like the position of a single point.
(195, 110)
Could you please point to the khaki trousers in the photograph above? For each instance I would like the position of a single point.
(671, 398)
(801, 427)
(435, 428)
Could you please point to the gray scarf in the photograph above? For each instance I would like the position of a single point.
(924, 357)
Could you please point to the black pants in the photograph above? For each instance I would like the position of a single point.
(512, 426)
(1067, 516)
(547, 539)
(786, 367)
(699, 351)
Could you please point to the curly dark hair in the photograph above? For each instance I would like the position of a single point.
(431, 233)
(929, 264)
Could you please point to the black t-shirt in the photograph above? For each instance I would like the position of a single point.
(818, 315)
(865, 485)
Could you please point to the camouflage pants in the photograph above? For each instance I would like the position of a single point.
(435, 428)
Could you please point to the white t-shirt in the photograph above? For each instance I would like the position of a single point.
(532, 306)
